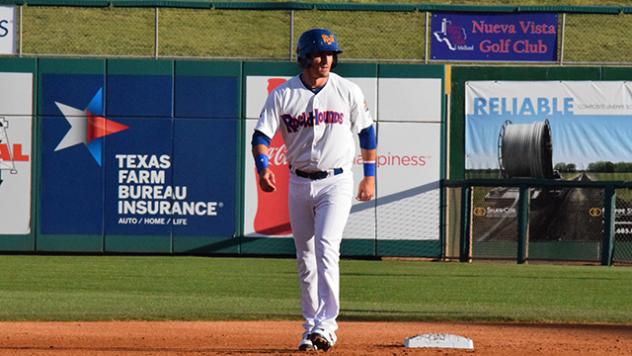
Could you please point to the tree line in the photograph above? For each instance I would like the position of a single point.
(599, 166)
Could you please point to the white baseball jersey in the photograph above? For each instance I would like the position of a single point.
(317, 128)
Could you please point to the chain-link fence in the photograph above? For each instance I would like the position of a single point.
(596, 38)
(561, 226)
(623, 226)
(566, 222)
(400, 34)
(211, 33)
(494, 222)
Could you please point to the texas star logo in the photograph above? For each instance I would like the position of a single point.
(87, 127)
(453, 36)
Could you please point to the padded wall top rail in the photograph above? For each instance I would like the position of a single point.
(263, 5)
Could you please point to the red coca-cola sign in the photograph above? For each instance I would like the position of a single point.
(272, 216)
(277, 153)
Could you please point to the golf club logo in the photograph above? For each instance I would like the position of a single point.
(88, 127)
(453, 36)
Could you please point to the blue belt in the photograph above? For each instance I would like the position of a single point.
(318, 175)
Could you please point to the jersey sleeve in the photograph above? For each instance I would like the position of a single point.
(268, 121)
(360, 114)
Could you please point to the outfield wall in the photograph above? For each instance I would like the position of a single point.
(152, 156)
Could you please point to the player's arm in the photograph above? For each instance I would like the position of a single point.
(368, 145)
(260, 144)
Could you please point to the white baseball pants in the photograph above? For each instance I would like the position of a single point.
(319, 210)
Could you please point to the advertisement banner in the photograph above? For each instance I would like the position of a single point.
(124, 175)
(494, 37)
(408, 166)
(408, 174)
(16, 110)
(8, 30)
(266, 214)
(573, 130)
(72, 178)
(410, 99)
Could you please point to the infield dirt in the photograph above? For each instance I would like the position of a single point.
(281, 337)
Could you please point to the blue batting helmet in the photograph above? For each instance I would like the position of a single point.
(316, 40)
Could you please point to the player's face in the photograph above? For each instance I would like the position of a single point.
(321, 64)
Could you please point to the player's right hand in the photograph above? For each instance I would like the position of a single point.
(267, 180)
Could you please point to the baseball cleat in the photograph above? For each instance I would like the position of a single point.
(320, 342)
(306, 344)
(306, 347)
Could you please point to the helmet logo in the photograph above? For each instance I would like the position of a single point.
(328, 39)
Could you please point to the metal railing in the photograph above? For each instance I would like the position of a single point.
(260, 30)
(612, 211)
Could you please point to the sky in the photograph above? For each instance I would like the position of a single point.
(578, 139)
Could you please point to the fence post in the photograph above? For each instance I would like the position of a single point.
(466, 196)
(156, 32)
(19, 39)
(607, 243)
(562, 38)
(523, 223)
(426, 38)
(291, 35)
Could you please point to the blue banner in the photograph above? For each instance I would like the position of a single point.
(138, 178)
(205, 163)
(72, 179)
(140, 95)
(494, 37)
(120, 164)
(172, 177)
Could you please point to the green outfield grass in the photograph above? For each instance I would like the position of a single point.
(192, 288)
(610, 176)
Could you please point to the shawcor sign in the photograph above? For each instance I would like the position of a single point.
(7, 30)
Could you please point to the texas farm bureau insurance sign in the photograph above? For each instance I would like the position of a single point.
(494, 37)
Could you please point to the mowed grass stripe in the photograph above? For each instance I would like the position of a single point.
(192, 288)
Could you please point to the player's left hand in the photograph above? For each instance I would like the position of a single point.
(366, 189)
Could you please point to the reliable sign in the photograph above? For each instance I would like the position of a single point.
(7, 30)
(494, 37)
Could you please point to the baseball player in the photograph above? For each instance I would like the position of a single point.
(318, 112)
